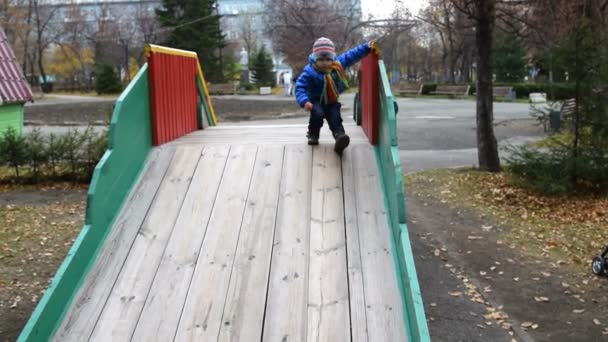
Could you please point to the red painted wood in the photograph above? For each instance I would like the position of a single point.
(369, 93)
(173, 96)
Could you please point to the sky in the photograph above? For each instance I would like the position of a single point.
(383, 8)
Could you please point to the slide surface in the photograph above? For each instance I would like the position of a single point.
(243, 234)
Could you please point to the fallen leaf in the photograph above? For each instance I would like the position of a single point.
(527, 324)
(546, 274)
(455, 294)
(535, 326)
(483, 273)
(472, 237)
(516, 278)
(578, 311)
(597, 321)
(16, 302)
(541, 299)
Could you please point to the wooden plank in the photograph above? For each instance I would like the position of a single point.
(385, 320)
(121, 312)
(328, 311)
(355, 273)
(160, 316)
(202, 314)
(244, 311)
(88, 303)
(286, 305)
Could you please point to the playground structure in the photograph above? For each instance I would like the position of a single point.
(198, 232)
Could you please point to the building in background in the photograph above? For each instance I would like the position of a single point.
(14, 89)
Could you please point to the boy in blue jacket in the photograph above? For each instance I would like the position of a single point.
(320, 84)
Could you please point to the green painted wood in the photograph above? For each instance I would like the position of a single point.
(387, 155)
(11, 115)
(204, 104)
(115, 174)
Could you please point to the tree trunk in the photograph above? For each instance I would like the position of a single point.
(26, 41)
(39, 43)
(487, 149)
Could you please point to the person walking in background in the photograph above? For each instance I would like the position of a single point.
(286, 83)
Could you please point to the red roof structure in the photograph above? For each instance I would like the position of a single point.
(13, 86)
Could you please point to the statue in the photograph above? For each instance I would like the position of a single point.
(244, 60)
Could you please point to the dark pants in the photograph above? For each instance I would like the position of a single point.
(331, 113)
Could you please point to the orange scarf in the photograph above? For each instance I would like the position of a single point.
(330, 93)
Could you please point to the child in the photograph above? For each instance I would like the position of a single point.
(320, 84)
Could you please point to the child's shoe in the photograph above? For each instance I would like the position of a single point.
(313, 139)
(342, 141)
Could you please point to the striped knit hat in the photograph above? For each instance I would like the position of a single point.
(325, 48)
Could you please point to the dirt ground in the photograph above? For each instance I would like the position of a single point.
(481, 272)
(37, 228)
(483, 277)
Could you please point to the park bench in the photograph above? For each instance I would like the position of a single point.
(451, 90)
(551, 115)
(504, 92)
(221, 88)
(410, 88)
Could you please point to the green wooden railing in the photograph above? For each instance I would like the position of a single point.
(387, 154)
(115, 174)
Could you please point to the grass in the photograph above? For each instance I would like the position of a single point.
(562, 229)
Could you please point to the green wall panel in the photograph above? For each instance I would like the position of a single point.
(118, 170)
(387, 154)
(11, 115)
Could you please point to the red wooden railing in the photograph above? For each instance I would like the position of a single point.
(174, 96)
(368, 92)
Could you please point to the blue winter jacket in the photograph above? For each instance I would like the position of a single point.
(310, 83)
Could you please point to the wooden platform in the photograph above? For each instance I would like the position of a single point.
(246, 234)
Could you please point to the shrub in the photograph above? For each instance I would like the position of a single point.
(427, 88)
(107, 81)
(13, 149)
(556, 170)
(35, 144)
(72, 156)
(560, 91)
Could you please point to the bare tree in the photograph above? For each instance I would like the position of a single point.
(248, 34)
(147, 25)
(73, 40)
(296, 24)
(455, 33)
(483, 14)
(45, 33)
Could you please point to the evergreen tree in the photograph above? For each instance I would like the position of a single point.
(509, 58)
(107, 81)
(262, 68)
(195, 27)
